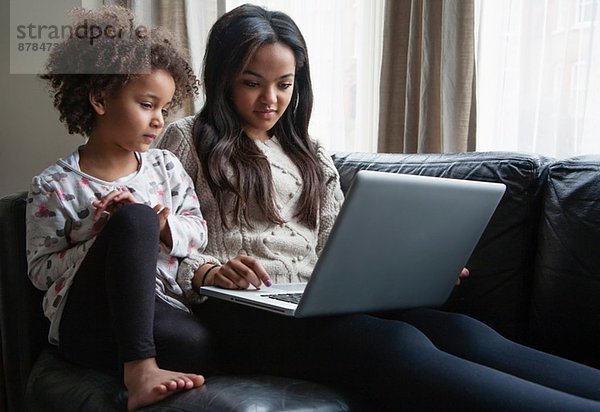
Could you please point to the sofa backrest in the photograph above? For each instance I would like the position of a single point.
(565, 311)
(498, 290)
(23, 327)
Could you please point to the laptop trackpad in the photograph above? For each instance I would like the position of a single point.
(284, 288)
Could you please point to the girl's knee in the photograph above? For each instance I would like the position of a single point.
(135, 216)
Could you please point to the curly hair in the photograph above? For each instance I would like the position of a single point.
(102, 52)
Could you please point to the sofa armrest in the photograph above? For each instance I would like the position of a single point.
(565, 310)
(23, 327)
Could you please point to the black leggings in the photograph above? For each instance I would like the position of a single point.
(414, 360)
(112, 314)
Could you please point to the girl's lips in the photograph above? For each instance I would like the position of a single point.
(266, 114)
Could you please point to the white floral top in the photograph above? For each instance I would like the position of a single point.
(61, 228)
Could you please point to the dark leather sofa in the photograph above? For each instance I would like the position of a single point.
(535, 277)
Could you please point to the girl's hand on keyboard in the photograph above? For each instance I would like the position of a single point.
(241, 272)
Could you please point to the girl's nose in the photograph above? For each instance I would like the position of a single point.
(158, 121)
(269, 95)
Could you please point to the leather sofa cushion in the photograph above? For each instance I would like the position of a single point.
(565, 311)
(57, 386)
(499, 288)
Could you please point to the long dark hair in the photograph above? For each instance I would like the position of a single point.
(219, 139)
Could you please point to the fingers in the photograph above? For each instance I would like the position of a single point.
(257, 269)
(464, 273)
(163, 213)
(241, 272)
(111, 201)
(161, 210)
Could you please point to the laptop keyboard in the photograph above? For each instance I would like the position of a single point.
(287, 297)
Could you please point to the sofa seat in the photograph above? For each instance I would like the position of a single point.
(55, 385)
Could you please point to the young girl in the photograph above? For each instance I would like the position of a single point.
(270, 195)
(107, 224)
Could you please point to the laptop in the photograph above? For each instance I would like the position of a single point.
(399, 242)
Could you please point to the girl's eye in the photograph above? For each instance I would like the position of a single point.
(250, 83)
(165, 112)
(146, 105)
(285, 86)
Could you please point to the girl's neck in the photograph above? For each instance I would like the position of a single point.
(257, 135)
(107, 165)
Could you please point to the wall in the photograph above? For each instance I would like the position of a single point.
(32, 137)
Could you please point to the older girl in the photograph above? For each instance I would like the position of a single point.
(270, 195)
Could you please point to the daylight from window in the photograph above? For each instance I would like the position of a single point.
(538, 76)
(344, 39)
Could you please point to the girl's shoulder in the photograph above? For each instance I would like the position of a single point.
(158, 157)
(325, 160)
(178, 130)
(58, 172)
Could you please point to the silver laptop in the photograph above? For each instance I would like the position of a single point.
(399, 241)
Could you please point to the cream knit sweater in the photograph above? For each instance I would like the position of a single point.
(289, 251)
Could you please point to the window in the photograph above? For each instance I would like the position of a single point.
(537, 70)
(586, 11)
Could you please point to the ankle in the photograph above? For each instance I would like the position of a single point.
(137, 367)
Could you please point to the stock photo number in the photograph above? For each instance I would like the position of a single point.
(36, 46)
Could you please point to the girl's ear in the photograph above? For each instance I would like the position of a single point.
(97, 101)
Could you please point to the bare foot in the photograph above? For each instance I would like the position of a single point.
(146, 383)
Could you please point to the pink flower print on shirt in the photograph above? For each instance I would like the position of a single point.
(59, 285)
(64, 196)
(43, 211)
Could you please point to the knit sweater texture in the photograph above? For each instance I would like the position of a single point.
(287, 251)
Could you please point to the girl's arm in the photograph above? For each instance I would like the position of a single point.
(188, 231)
(49, 252)
(331, 201)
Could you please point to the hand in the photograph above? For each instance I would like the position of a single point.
(463, 274)
(239, 273)
(111, 202)
(165, 231)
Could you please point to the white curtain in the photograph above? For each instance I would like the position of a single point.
(344, 41)
(538, 76)
(189, 20)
